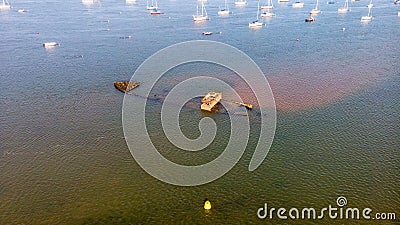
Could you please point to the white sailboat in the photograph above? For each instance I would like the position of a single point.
(298, 4)
(152, 6)
(345, 8)
(203, 16)
(88, 2)
(268, 6)
(5, 5)
(369, 16)
(241, 3)
(224, 11)
(257, 22)
(315, 10)
(50, 44)
(91, 2)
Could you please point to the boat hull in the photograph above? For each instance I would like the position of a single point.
(255, 24)
(298, 5)
(155, 12)
(5, 7)
(200, 18)
(50, 44)
(223, 12)
(240, 3)
(366, 18)
(315, 11)
(267, 7)
(267, 15)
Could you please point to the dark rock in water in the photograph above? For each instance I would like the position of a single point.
(125, 86)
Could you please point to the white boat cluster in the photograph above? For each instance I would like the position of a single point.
(265, 11)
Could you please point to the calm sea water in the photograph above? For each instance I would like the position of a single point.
(63, 158)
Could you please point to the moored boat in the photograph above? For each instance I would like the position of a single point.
(315, 10)
(241, 3)
(5, 5)
(203, 16)
(224, 11)
(298, 4)
(345, 8)
(50, 44)
(256, 23)
(369, 16)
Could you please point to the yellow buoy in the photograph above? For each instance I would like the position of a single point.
(207, 205)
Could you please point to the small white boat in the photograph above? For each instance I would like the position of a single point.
(200, 17)
(369, 16)
(50, 44)
(345, 8)
(298, 4)
(315, 10)
(256, 23)
(88, 2)
(241, 3)
(5, 5)
(207, 33)
(366, 18)
(267, 14)
(224, 11)
(22, 10)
